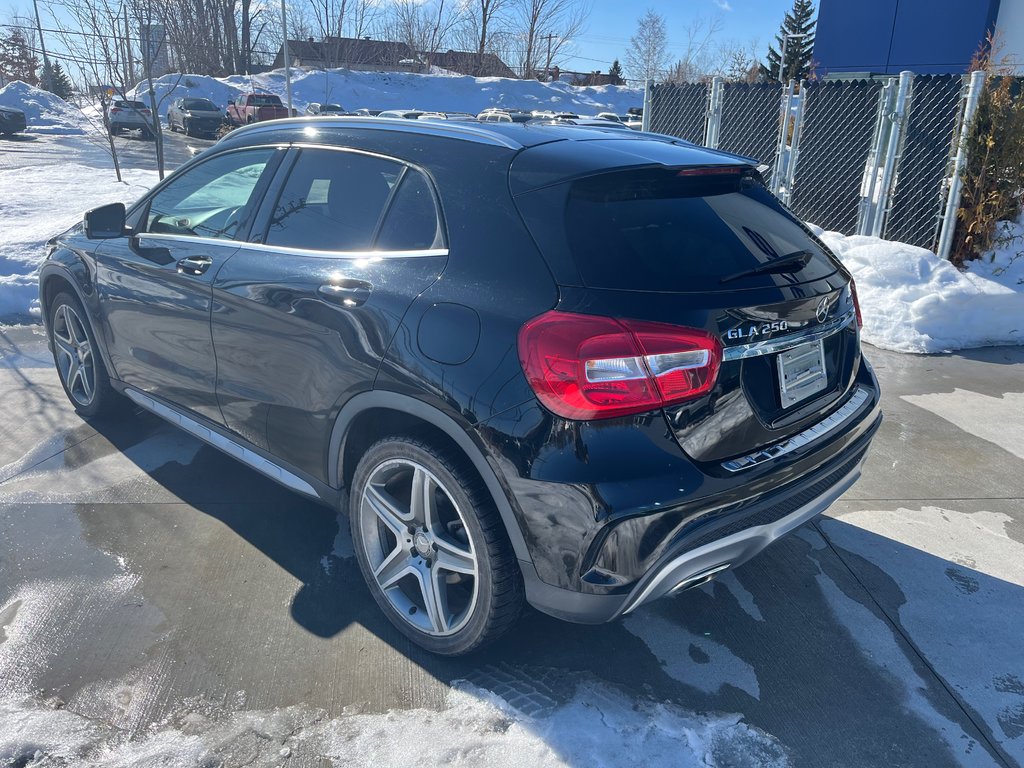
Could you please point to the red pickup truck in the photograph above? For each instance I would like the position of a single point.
(255, 108)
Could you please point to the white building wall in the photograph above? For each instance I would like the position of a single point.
(1010, 31)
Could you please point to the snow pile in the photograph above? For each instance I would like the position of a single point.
(913, 301)
(36, 203)
(44, 112)
(398, 90)
(597, 727)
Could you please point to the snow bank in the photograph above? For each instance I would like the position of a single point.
(37, 202)
(44, 112)
(913, 301)
(598, 726)
(399, 90)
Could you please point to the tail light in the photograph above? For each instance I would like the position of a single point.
(114, 110)
(145, 111)
(856, 303)
(588, 367)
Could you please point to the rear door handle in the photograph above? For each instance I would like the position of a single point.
(194, 265)
(346, 292)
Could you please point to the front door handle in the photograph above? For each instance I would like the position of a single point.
(194, 265)
(346, 292)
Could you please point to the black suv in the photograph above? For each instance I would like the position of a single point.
(576, 368)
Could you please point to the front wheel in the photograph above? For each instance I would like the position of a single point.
(431, 546)
(79, 364)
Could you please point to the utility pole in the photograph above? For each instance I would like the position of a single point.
(547, 64)
(42, 47)
(782, 56)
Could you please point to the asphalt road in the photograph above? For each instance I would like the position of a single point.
(136, 560)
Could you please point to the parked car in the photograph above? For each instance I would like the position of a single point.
(655, 372)
(588, 122)
(630, 121)
(364, 112)
(12, 120)
(316, 109)
(459, 116)
(256, 108)
(126, 115)
(194, 117)
(504, 116)
(403, 114)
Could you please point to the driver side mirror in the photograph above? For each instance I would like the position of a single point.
(105, 222)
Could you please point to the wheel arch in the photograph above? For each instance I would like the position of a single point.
(57, 275)
(369, 416)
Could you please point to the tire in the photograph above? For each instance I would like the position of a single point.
(457, 551)
(79, 364)
(186, 128)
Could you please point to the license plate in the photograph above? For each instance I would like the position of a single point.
(801, 372)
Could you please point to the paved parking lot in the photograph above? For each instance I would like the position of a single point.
(145, 577)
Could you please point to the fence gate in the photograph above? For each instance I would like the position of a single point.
(918, 199)
(839, 119)
(680, 110)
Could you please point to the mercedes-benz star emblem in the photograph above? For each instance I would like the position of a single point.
(823, 307)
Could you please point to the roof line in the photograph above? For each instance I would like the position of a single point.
(453, 130)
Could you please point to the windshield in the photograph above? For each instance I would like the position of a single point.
(200, 105)
(331, 108)
(660, 231)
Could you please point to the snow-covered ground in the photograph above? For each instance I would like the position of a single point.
(44, 112)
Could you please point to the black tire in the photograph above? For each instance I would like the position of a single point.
(497, 583)
(186, 127)
(101, 400)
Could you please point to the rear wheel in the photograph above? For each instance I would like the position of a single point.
(79, 364)
(432, 547)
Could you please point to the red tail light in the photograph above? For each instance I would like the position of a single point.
(856, 303)
(587, 367)
(114, 110)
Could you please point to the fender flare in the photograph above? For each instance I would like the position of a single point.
(396, 401)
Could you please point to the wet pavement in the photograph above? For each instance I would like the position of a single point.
(142, 572)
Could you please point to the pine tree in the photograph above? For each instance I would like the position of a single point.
(55, 80)
(16, 59)
(616, 70)
(797, 21)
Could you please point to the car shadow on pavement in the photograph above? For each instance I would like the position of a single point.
(805, 642)
(19, 138)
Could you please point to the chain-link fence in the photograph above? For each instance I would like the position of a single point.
(859, 157)
(679, 110)
(839, 123)
(919, 194)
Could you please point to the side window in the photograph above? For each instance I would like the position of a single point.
(411, 223)
(332, 201)
(208, 200)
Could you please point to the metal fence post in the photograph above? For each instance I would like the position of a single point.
(714, 124)
(948, 227)
(876, 156)
(645, 118)
(781, 153)
(898, 118)
(794, 142)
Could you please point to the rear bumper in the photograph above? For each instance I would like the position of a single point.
(12, 123)
(703, 554)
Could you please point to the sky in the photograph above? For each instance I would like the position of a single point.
(613, 22)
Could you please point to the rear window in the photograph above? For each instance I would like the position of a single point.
(130, 105)
(662, 231)
(264, 100)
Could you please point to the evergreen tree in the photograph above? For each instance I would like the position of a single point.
(16, 59)
(56, 80)
(798, 21)
(616, 70)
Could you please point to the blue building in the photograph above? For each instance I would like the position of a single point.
(861, 38)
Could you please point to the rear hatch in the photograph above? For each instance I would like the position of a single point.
(708, 247)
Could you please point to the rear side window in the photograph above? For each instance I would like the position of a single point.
(661, 231)
(336, 201)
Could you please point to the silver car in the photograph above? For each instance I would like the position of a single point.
(194, 116)
(125, 115)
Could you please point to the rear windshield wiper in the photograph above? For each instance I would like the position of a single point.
(791, 262)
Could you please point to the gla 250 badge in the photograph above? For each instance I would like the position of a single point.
(757, 330)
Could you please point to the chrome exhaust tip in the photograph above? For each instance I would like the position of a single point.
(698, 579)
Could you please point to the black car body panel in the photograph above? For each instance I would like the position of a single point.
(12, 120)
(297, 354)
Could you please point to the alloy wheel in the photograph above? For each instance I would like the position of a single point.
(75, 361)
(418, 547)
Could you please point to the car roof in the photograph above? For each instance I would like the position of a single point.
(556, 151)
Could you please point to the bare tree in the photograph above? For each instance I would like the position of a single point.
(698, 59)
(542, 32)
(647, 54)
(481, 25)
(425, 27)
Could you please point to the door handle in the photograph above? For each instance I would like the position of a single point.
(346, 292)
(194, 265)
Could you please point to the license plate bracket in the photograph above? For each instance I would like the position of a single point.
(801, 372)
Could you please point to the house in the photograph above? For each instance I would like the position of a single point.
(469, 63)
(584, 78)
(361, 54)
(927, 37)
